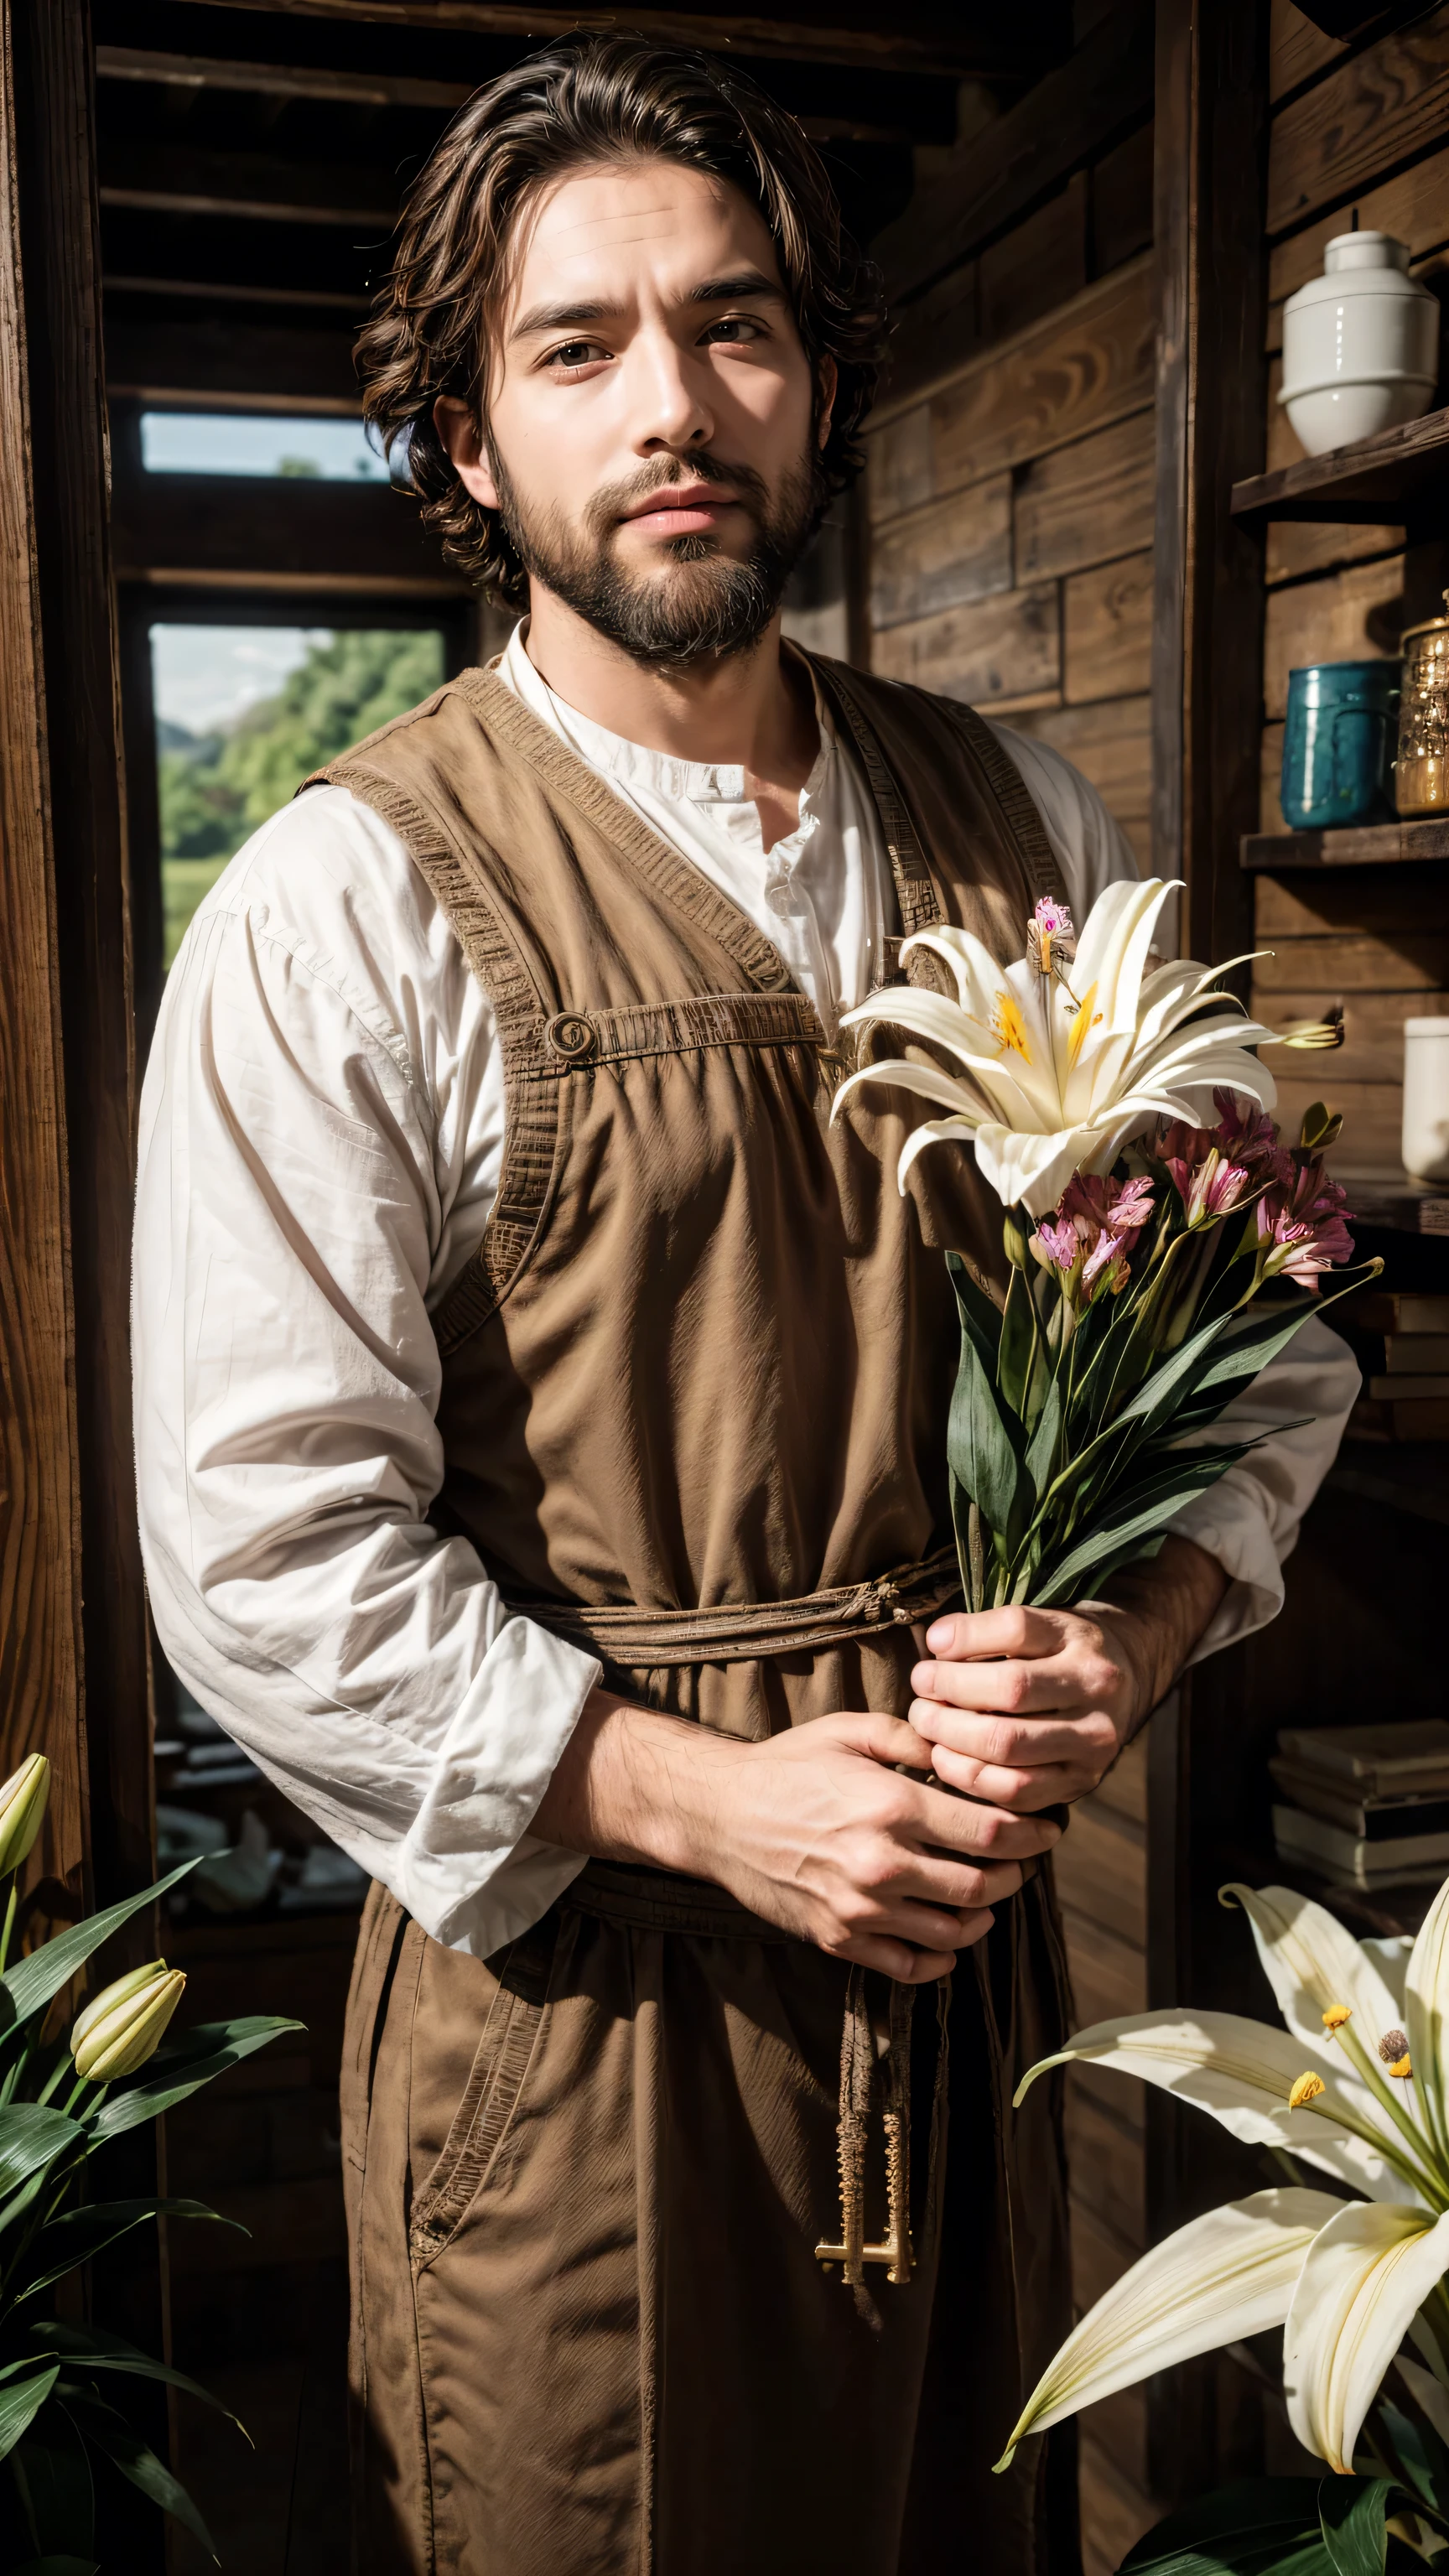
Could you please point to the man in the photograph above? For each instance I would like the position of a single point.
(540, 1416)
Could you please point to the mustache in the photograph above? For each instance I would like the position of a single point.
(616, 500)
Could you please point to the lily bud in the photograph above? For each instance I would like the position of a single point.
(126, 2022)
(22, 1807)
(1014, 1239)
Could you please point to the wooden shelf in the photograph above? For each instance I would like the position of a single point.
(1388, 1199)
(1363, 845)
(1408, 1476)
(1400, 477)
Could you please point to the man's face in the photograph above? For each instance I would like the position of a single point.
(654, 433)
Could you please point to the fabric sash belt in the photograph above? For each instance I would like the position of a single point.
(660, 1900)
(746, 1632)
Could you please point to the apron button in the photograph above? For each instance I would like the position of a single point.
(572, 1036)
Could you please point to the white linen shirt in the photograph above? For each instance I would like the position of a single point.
(321, 1138)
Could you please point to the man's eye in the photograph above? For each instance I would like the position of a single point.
(575, 353)
(734, 328)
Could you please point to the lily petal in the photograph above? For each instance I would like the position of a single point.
(1312, 1964)
(1224, 2276)
(1244, 2072)
(1364, 2278)
(1426, 2005)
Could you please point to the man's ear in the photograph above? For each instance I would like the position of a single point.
(829, 381)
(459, 431)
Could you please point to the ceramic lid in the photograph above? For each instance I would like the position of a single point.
(1364, 250)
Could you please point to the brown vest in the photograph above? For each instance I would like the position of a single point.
(703, 1356)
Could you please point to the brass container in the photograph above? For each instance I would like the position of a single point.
(1421, 772)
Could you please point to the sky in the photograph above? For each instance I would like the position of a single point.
(193, 442)
(204, 677)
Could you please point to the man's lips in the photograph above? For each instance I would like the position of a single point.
(681, 510)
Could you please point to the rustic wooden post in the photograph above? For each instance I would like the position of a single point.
(1211, 163)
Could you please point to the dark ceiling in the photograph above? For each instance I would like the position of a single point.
(252, 157)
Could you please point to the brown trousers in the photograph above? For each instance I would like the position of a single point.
(590, 2333)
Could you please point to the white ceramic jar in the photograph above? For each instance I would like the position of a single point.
(1360, 344)
(1426, 1099)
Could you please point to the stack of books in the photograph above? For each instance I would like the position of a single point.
(1370, 1804)
(1401, 1343)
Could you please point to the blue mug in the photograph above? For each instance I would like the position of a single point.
(1338, 744)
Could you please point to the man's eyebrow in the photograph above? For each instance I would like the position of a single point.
(714, 290)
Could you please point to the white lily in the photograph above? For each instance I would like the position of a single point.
(1344, 2089)
(1061, 1074)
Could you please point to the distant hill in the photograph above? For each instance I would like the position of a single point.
(192, 746)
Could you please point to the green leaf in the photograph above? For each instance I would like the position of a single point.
(78, 2234)
(173, 2073)
(32, 1982)
(1017, 1345)
(53, 2470)
(65, 2566)
(1216, 2530)
(1138, 1514)
(984, 1313)
(1419, 2454)
(21, 2401)
(979, 1449)
(1353, 2512)
(32, 2135)
(138, 2462)
(81, 2349)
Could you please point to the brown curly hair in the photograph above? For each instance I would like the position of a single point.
(588, 99)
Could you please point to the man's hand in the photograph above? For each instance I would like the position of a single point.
(1031, 1707)
(816, 1829)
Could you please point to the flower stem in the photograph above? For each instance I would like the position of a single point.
(1378, 2084)
(9, 1924)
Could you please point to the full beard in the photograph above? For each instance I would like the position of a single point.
(701, 605)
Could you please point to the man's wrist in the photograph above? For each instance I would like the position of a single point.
(1153, 1613)
(634, 1784)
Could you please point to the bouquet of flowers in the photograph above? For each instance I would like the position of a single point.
(1356, 2086)
(1156, 1264)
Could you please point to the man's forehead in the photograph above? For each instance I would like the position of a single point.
(601, 220)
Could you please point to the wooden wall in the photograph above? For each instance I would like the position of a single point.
(1010, 501)
(1365, 131)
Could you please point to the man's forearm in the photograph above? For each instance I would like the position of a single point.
(635, 1785)
(1154, 1612)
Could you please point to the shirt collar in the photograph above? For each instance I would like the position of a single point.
(634, 764)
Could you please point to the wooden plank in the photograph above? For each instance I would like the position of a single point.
(1086, 503)
(1373, 1031)
(1122, 202)
(952, 552)
(1090, 364)
(1099, 2257)
(179, 179)
(1417, 962)
(1383, 904)
(1270, 808)
(167, 525)
(1107, 631)
(1037, 265)
(1068, 118)
(1413, 205)
(305, 2223)
(1118, 2426)
(1101, 1873)
(40, 1705)
(1111, 744)
(918, 39)
(1114, 2514)
(1107, 2167)
(1400, 474)
(241, 366)
(1357, 616)
(1109, 1976)
(1297, 50)
(1379, 107)
(1299, 548)
(1000, 648)
(1124, 1789)
(276, 80)
(1370, 845)
(933, 337)
(898, 464)
(1372, 1114)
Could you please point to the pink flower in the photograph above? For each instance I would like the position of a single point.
(1054, 918)
(1301, 1225)
(1213, 1168)
(1096, 1226)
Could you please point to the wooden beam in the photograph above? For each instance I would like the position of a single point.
(1211, 155)
(1378, 108)
(1076, 111)
(919, 39)
(217, 290)
(178, 527)
(277, 80)
(235, 366)
(174, 179)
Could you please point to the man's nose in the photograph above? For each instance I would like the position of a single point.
(669, 397)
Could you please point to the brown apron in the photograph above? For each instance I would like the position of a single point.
(694, 1388)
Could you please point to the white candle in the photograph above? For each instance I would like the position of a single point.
(1426, 1099)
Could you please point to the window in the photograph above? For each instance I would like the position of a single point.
(196, 442)
(245, 713)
